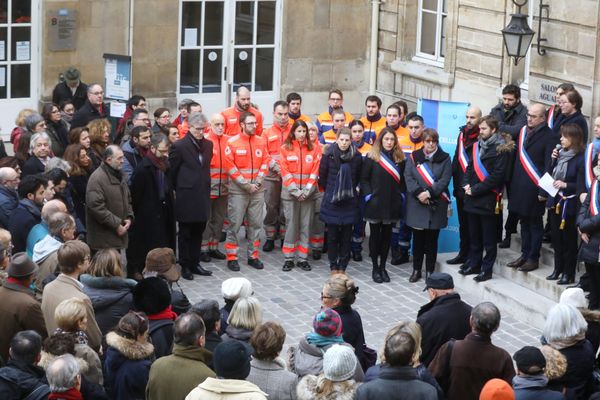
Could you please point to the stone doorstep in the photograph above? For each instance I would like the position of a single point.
(521, 302)
(546, 253)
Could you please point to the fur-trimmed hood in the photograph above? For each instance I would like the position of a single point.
(307, 389)
(508, 145)
(129, 348)
(47, 358)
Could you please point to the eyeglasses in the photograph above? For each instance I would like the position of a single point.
(335, 98)
(534, 116)
(325, 297)
(165, 116)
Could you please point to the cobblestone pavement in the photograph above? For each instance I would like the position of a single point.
(292, 298)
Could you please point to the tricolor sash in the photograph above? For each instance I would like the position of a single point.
(550, 119)
(389, 167)
(463, 159)
(482, 174)
(526, 162)
(562, 202)
(588, 167)
(594, 206)
(427, 175)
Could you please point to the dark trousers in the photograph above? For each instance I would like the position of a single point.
(482, 229)
(564, 242)
(189, 241)
(593, 270)
(358, 231)
(338, 245)
(532, 233)
(425, 245)
(379, 243)
(463, 227)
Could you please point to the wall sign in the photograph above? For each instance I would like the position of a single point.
(117, 76)
(62, 29)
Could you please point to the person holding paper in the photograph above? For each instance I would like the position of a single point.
(483, 183)
(566, 164)
(534, 148)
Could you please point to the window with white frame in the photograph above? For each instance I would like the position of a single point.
(431, 31)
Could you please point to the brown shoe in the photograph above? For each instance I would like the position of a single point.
(517, 263)
(529, 266)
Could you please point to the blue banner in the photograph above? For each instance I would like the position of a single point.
(446, 117)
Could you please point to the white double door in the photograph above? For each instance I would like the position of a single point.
(226, 44)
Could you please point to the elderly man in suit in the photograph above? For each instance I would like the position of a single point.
(189, 160)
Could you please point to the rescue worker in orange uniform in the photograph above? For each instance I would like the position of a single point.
(325, 123)
(294, 100)
(373, 121)
(274, 222)
(393, 119)
(299, 171)
(247, 163)
(232, 114)
(219, 189)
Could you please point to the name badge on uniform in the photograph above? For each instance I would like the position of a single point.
(271, 138)
(291, 158)
(241, 152)
(309, 159)
(258, 153)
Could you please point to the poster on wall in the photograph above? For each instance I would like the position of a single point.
(117, 76)
(446, 117)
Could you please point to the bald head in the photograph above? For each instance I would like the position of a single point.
(536, 115)
(51, 208)
(473, 116)
(9, 177)
(243, 98)
(217, 124)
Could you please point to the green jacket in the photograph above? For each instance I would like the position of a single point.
(174, 376)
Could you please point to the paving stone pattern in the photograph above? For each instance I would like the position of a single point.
(292, 298)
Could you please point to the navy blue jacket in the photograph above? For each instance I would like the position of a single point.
(523, 192)
(125, 378)
(9, 200)
(576, 118)
(574, 167)
(352, 331)
(345, 213)
(25, 216)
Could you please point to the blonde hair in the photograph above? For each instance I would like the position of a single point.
(95, 129)
(24, 113)
(106, 263)
(68, 314)
(411, 328)
(342, 287)
(246, 313)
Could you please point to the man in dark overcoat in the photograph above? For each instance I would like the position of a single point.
(527, 200)
(189, 160)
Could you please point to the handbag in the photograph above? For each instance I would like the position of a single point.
(370, 357)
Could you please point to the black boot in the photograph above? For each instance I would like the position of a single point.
(566, 279)
(554, 275)
(384, 275)
(269, 245)
(186, 274)
(415, 276)
(505, 244)
(376, 273)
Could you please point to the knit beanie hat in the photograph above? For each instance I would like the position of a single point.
(573, 297)
(497, 389)
(327, 322)
(339, 363)
(232, 359)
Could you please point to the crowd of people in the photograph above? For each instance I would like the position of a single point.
(77, 200)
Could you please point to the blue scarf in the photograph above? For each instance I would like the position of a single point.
(322, 341)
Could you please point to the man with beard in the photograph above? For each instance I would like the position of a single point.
(247, 160)
(29, 211)
(109, 212)
(275, 136)
(373, 121)
(152, 203)
(294, 100)
(468, 135)
(135, 150)
(232, 114)
(512, 116)
(94, 108)
(189, 161)
(325, 123)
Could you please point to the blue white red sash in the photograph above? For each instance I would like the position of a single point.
(526, 162)
(389, 167)
(463, 159)
(482, 174)
(550, 119)
(563, 203)
(427, 175)
(588, 167)
(594, 206)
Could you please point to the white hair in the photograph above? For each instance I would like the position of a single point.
(38, 136)
(57, 162)
(563, 322)
(62, 373)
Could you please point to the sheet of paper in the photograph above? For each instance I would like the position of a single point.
(117, 109)
(546, 183)
(2, 50)
(2, 76)
(22, 51)
(190, 37)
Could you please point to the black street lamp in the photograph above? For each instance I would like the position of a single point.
(517, 34)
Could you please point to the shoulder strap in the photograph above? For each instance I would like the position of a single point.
(159, 324)
(41, 391)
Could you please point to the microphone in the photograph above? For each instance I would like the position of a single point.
(558, 148)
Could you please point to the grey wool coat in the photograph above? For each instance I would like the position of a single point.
(108, 204)
(419, 215)
(273, 379)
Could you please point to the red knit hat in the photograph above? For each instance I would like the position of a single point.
(497, 389)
